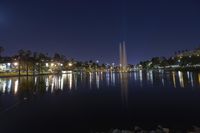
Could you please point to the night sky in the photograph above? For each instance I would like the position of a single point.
(92, 29)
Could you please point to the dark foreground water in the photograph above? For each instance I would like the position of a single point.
(99, 101)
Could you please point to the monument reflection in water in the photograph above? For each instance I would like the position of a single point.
(53, 83)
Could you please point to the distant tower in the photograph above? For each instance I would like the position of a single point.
(123, 56)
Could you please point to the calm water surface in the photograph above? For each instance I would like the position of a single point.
(99, 101)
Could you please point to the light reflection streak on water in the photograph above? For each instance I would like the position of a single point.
(55, 82)
(135, 76)
(52, 84)
(47, 83)
(9, 85)
(4, 86)
(35, 80)
(113, 78)
(69, 76)
(75, 81)
(124, 87)
(63, 79)
(163, 81)
(151, 76)
(16, 86)
(199, 78)
(59, 82)
(108, 78)
(140, 76)
(174, 79)
(188, 75)
(191, 79)
(90, 79)
(181, 80)
(97, 80)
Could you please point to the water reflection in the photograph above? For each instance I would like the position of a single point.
(99, 80)
(124, 87)
(174, 79)
(181, 80)
(16, 86)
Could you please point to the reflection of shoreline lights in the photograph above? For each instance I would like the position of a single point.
(16, 86)
(124, 87)
(9, 85)
(181, 80)
(108, 78)
(97, 80)
(199, 78)
(140, 75)
(4, 86)
(191, 79)
(151, 76)
(61, 84)
(163, 81)
(113, 78)
(69, 76)
(188, 75)
(35, 80)
(135, 76)
(47, 83)
(52, 84)
(75, 81)
(174, 79)
(90, 79)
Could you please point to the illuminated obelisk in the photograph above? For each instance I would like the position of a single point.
(123, 57)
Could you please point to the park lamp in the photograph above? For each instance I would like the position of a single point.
(15, 64)
(70, 64)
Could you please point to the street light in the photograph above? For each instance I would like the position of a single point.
(70, 64)
(15, 64)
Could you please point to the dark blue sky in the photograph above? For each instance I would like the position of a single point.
(92, 29)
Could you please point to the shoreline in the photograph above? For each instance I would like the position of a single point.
(10, 74)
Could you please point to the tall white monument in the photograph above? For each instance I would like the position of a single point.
(122, 56)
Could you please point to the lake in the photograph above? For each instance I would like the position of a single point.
(99, 101)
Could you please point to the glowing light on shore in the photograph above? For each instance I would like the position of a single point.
(70, 64)
(15, 64)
